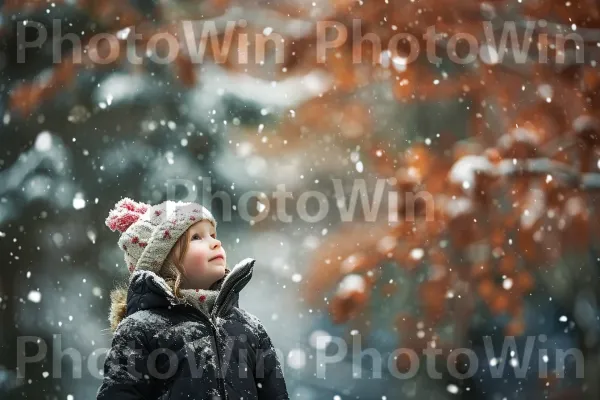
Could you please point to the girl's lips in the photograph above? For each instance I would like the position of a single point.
(217, 257)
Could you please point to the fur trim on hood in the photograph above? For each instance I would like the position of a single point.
(118, 307)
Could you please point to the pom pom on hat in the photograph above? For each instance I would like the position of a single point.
(125, 213)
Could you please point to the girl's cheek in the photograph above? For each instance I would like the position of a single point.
(196, 259)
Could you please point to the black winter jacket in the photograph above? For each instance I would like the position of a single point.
(165, 349)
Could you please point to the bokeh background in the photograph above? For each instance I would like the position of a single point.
(505, 147)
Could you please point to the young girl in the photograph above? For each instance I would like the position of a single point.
(178, 330)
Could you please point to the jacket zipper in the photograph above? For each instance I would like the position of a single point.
(219, 366)
(211, 320)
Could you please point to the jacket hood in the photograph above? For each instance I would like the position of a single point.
(147, 290)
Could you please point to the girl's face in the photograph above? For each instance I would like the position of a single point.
(205, 260)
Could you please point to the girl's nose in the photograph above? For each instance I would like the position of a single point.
(216, 243)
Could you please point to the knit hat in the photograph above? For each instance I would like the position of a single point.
(148, 233)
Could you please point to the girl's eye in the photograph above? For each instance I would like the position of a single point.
(196, 236)
(214, 235)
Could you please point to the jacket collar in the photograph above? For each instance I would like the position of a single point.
(147, 290)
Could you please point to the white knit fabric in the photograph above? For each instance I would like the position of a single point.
(148, 241)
